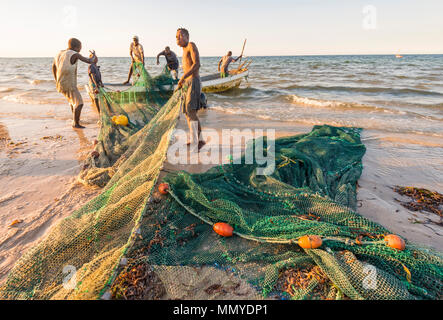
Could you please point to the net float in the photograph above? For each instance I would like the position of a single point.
(163, 188)
(223, 229)
(395, 242)
(310, 242)
(121, 120)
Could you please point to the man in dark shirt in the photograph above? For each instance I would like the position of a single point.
(171, 61)
(95, 79)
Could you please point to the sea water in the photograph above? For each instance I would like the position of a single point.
(398, 102)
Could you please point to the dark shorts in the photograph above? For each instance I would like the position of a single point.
(173, 66)
(191, 95)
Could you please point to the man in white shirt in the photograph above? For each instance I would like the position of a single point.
(137, 55)
(64, 69)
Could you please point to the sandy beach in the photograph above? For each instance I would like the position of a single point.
(41, 157)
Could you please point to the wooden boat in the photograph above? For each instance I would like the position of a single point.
(212, 83)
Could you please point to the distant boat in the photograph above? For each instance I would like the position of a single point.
(398, 56)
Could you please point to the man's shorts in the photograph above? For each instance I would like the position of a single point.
(173, 66)
(74, 97)
(192, 95)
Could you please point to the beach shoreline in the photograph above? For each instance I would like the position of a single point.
(39, 175)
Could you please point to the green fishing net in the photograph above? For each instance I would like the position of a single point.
(91, 241)
(139, 104)
(311, 192)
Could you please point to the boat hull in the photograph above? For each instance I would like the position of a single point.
(223, 84)
(210, 84)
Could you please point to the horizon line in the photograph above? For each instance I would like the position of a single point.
(251, 56)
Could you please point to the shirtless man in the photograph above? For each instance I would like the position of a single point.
(137, 55)
(171, 61)
(190, 82)
(224, 62)
(64, 69)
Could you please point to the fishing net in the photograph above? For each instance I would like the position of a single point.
(139, 104)
(166, 237)
(312, 192)
(88, 244)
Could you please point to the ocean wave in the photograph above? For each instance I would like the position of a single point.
(248, 93)
(36, 82)
(5, 90)
(401, 122)
(367, 90)
(26, 98)
(329, 104)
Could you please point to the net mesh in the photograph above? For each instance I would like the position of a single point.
(311, 192)
(94, 237)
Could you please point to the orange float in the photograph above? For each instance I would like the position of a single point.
(310, 242)
(395, 242)
(223, 229)
(163, 188)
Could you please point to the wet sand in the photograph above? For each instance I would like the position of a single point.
(40, 158)
(38, 174)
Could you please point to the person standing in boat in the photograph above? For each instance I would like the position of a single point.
(191, 86)
(171, 61)
(64, 69)
(225, 62)
(137, 55)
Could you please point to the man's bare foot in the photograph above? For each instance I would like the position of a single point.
(78, 126)
(125, 83)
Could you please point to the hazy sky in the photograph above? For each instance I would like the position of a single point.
(272, 27)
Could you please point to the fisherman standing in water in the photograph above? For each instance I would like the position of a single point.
(171, 61)
(190, 82)
(64, 69)
(224, 62)
(137, 55)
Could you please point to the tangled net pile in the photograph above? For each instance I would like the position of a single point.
(311, 192)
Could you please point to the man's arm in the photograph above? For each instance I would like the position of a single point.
(195, 56)
(130, 53)
(219, 63)
(78, 56)
(142, 51)
(54, 70)
(160, 54)
(235, 60)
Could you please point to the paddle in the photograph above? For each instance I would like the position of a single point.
(242, 50)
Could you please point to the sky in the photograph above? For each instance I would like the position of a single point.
(272, 27)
